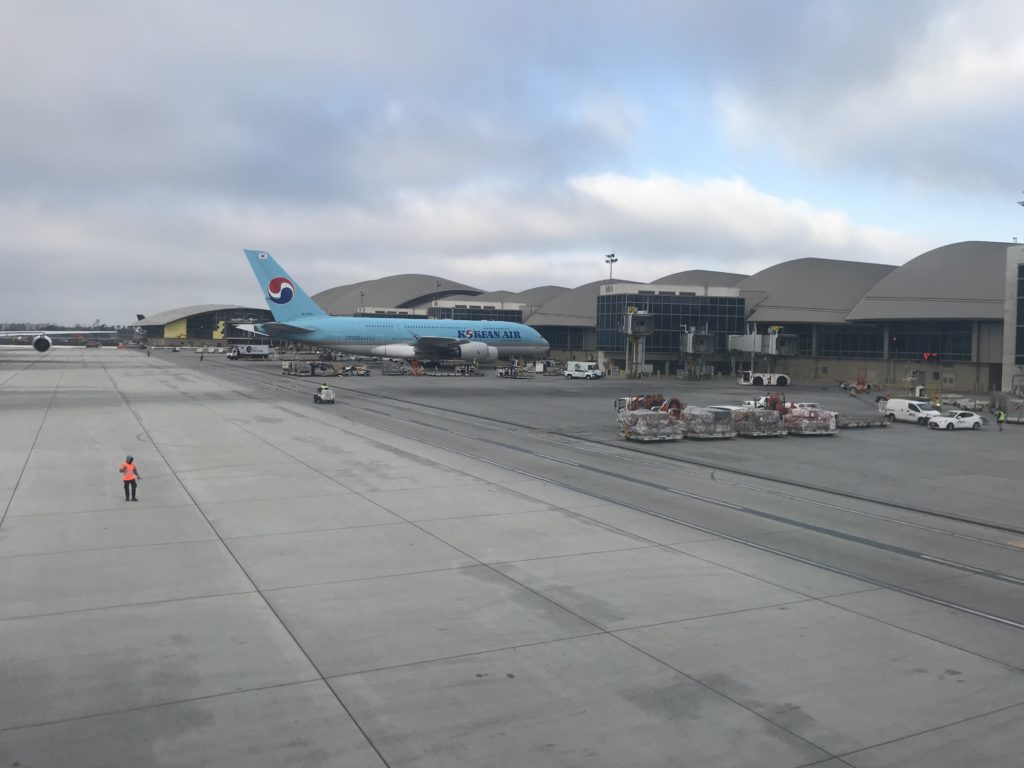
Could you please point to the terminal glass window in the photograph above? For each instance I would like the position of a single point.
(930, 340)
(670, 316)
(850, 341)
(804, 333)
(1019, 343)
(564, 337)
(479, 313)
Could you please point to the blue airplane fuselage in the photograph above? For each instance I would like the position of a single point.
(298, 318)
(377, 335)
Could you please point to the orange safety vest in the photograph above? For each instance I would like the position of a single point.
(127, 470)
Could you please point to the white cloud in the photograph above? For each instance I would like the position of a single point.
(725, 217)
(144, 258)
(942, 106)
(612, 117)
(506, 145)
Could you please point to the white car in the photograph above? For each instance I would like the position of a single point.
(956, 420)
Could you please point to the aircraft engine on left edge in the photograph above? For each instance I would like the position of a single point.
(41, 343)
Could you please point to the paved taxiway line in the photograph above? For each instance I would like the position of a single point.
(772, 550)
(650, 450)
(35, 438)
(632, 479)
(596, 629)
(460, 610)
(241, 566)
(620, 449)
(851, 538)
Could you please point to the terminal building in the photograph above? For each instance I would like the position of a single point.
(200, 323)
(675, 314)
(936, 321)
(947, 319)
(950, 318)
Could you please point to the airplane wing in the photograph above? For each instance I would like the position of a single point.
(264, 327)
(42, 340)
(438, 343)
(447, 347)
(57, 333)
(286, 328)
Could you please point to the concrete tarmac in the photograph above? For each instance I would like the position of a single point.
(318, 586)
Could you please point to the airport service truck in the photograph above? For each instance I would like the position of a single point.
(249, 352)
(762, 379)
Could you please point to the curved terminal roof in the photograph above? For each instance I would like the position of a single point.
(173, 315)
(398, 291)
(531, 297)
(701, 277)
(575, 307)
(958, 281)
(962, 281)
(809, 290)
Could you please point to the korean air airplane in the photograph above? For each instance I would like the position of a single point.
(298, 318)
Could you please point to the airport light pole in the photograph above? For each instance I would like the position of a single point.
(610, 260)
(362, 304)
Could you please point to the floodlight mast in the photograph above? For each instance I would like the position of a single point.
(1020, 203)
(611, 258)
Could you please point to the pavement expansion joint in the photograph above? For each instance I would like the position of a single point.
(309, 606)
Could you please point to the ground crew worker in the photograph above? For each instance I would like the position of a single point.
(1000, 418)
(323, 386)
(130, 475)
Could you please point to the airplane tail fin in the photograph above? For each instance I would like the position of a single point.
(286, 300)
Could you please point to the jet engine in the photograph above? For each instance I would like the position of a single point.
(41, 343)
(395, 351)
(471, 351)
(478, 351)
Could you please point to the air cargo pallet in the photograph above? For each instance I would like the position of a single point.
(651, 438)
(847, 422)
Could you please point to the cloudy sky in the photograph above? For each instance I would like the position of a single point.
(506, 145)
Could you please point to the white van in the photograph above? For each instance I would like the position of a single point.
(578, 370)
(914, 411)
